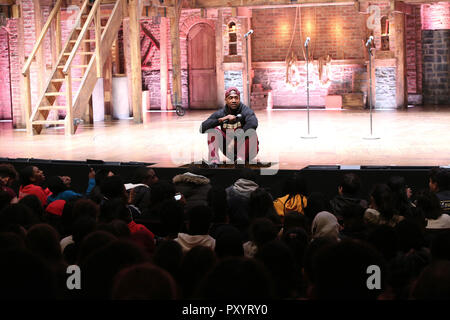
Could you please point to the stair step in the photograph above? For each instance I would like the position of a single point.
(43, 122)
(52, 108)
(79, 66)
(85, 40)
(54, 94)
(62, 80)
(86, 53)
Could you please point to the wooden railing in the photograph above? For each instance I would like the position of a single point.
(55, 15)
(93, 12)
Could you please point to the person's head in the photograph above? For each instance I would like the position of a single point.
(5, 199)
(24, 275)
(146, 176)
(100, 267)
(31, 175)
(325, 224)
(33, 202)
(199, 220)
(262, 230)
(317, 202)
(114, 209)
(297, 240)
(279, 260)
(232, 98)
(114, 188)
(11, 241)
(433, 283)
(440, 246)
(228, 242)
(17, 218)
(438, 180)
(399, 188)
(195, 265)
(294, 185)
(144, 282)
(101, 175)
(381, 199)
(93, 242)
(7, 174)
(172, 217)
(169, 255)
(409, 236)
(161, 190)
(43, 240)
(341, 272)
(237, 279)
(261, 204)
(56, 185)
(85, 207)
(350, 185)
(428, 204)
(294, 220)
(352, 216)
(116, 227)
(248, 174)
(385, 240)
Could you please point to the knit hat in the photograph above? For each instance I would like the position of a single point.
(228, 92)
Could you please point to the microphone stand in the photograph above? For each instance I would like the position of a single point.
(371, 137)
(308, 136)
(248, 75)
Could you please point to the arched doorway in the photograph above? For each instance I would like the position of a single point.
(202, 67)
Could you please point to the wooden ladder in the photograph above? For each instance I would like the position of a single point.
(58, 93)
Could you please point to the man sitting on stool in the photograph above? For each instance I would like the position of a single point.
(229, 127)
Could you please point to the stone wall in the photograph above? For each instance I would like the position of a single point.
(234, 79)
(385, 88)
(436, 57)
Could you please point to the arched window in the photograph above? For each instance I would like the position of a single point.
(384, 33)
(232, 39)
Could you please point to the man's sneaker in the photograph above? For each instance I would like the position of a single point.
(213, 165)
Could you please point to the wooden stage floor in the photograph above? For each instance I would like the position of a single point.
(412, 137)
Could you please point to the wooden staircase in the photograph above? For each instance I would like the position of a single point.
(93, 53)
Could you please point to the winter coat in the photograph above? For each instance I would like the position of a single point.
(194, 188)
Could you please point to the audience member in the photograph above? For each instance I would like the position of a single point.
(194, 188)
(31, 178)
(199, 221)
(439, 183)
(294, 199)
(348, 194)
(325, 225)
(381, 209)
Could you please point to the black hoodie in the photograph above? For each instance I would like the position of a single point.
(247, 121)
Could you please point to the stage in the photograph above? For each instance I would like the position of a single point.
(418, 136)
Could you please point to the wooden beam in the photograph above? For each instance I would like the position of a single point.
(176, 55)
(400, 54)
(164, 68)
(40, 53)
(219, 61)
(135, 55)
(107, 88)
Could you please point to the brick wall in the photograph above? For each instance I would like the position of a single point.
(284, 95)
(413, 41)
(334, 30)
(436, 52)
(436, 16)
(16, 76)
(5, 94)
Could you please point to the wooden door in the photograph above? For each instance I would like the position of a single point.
(202, 67)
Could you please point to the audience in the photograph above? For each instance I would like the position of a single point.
(137, 241)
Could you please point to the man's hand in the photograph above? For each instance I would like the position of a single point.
(66, 180)
(229, 117)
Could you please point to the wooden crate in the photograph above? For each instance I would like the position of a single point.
(353, 101)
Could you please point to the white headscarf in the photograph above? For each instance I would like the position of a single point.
(325, 224)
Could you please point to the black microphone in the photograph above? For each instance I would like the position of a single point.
(248, 33)
(238, 116)
(369, 41)
(307, 41)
